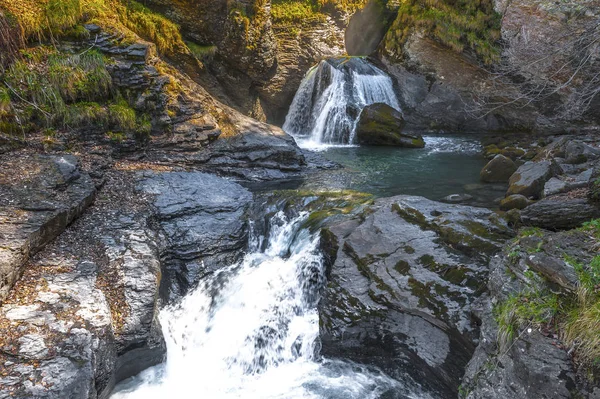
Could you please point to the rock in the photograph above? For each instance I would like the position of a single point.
(132, 251)
(499, 169)
(201, 217)
(515, 201)
(530, 178)
(534, 367)
(39, 196)
(464, 227)
(380, 124)
(399, 292)
(531, 365)
(513, 218)
(594, 186)
(558, 214)
(554, 186)
(456, 198)
(366, 28)
(577, 152)
(61, 342)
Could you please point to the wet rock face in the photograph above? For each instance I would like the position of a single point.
(201, 219)
(39, 197)
(380, 124)
(402, 281)
(131, 249)
(367, 27)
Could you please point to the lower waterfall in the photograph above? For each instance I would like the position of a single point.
(251, 331)
(330, 98)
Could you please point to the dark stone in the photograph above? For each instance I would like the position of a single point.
(559, 214)
(515, 201)
(400, 293)
(530, 178)
(577, 152)
(201, 216)
(380, 124)
(366, 28)
(498, 170)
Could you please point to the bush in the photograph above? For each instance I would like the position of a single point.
(457, 24)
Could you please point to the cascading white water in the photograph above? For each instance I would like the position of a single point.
(251, 331)
(328, 102)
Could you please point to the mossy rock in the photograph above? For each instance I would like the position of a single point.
(381, 125)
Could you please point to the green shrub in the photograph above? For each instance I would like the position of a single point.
(62, 14)
(122, 117)
(87, 114)
(457, 24)
(294, 11)
(80, 77)
(151, 26)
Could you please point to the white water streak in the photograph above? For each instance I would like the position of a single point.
(255, 335)
(328, 102)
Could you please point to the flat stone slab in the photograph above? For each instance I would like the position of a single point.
(39, 196)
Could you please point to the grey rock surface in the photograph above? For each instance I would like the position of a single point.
(39, 196)
(402, 281)
(201, 218)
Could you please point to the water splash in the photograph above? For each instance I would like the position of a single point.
(251, 331)
(328, 102)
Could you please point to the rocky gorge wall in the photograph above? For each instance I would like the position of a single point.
(530, 66)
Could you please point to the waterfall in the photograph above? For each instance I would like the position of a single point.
(328, 102)
(251, 331)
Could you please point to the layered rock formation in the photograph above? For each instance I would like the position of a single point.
(402, 279)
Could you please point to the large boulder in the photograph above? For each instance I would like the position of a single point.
(201, 217)
(558, 213)
(530, 178)
(380, 124)
(402, 278)
(39, 196)
(498, 170)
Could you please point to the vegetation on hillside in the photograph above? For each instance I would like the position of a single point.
(458, 24)
(49, 19)
(44, 88)
(47, 89)
(307, 11)
(575, 317)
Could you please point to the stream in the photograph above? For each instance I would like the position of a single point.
(251, 330)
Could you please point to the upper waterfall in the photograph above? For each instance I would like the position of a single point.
(330, 98)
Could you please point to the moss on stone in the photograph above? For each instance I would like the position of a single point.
(402, 267)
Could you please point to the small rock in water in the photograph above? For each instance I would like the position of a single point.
(498, 169)
(457, 198)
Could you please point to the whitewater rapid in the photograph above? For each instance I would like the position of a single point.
(251, 331)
